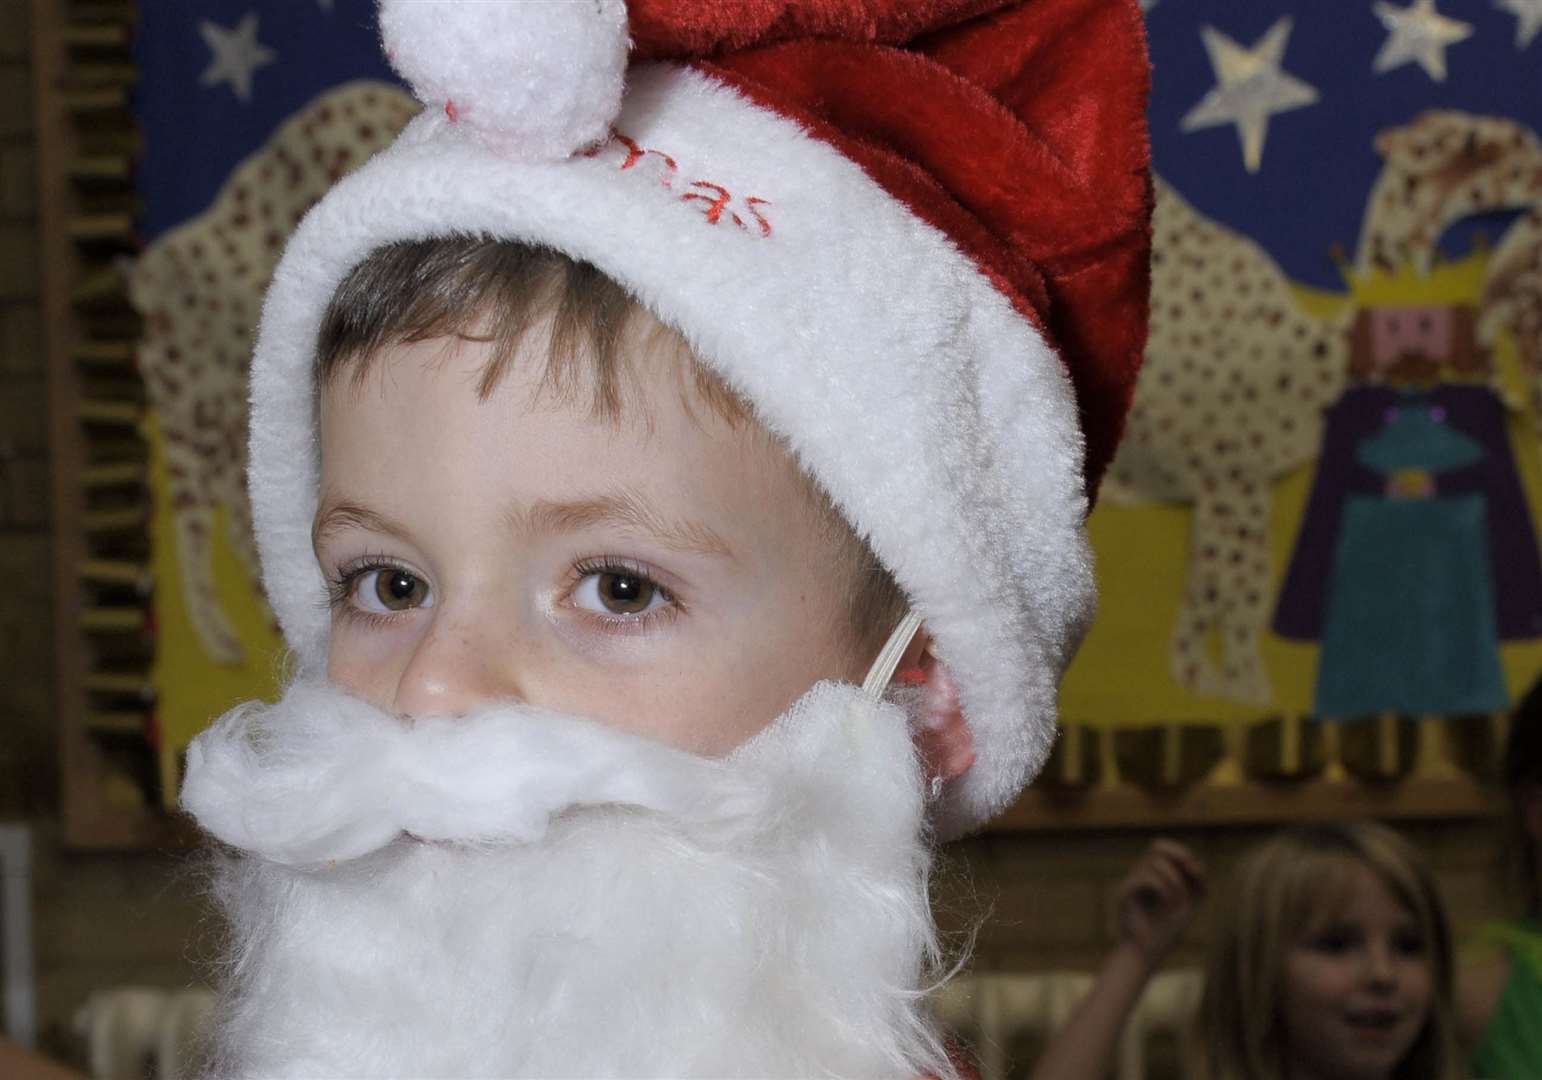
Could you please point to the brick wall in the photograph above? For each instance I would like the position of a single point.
(107, 920)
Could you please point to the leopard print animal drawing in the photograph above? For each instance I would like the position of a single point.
(1230, 399)
(1512, 300)
(1439, 168)
(199, 290)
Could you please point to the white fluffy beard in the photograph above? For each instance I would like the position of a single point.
(517, 893)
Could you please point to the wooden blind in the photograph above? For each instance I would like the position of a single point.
(104, 631)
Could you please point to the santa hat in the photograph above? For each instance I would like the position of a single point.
(914, 234)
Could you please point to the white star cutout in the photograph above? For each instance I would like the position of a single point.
(1528, 19)
(236, 54)
(1418, 32)
(1250, 88)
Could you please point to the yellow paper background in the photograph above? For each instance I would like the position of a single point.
(192, 690)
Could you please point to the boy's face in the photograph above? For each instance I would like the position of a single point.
(666, 573)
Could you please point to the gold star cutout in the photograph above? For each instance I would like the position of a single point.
(1250, 88)
(1418, 32)
(1528, 19)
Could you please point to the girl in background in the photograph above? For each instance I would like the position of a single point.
(1331, 961)
(1499, 998)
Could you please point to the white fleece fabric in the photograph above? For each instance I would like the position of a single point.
(538, 79)
(761, 915)
(936, 416)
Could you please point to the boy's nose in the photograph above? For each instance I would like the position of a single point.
(454, 669)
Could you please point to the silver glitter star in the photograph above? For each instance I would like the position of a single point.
(1418, 33)
(1528, 19)
(1250, 88)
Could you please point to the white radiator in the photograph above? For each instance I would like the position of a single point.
(137, 1032)
(992, 1011)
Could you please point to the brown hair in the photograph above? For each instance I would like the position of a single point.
(1282, 890)
(500, 291)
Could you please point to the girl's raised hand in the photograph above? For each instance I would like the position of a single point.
(1156, 901)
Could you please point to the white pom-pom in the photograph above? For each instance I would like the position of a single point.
(538, 79)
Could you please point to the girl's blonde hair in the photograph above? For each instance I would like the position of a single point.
(1282, 891)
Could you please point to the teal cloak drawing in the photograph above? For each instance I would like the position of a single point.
(1410, 624)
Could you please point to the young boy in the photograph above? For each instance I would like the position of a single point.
(603, 443)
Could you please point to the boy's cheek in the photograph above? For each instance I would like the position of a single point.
(366, 665)
(694, 712)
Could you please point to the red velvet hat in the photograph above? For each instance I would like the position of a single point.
(914, 235)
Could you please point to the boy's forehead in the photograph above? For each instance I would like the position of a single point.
(418, 393)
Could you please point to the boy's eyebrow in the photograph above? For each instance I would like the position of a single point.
(619, 509)
(336, 517)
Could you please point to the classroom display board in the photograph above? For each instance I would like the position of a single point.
(1317, 546)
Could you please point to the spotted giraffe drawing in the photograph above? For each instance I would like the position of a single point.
(1237, 375)
(199, 289)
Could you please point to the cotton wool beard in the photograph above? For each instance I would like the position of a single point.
(618, 908)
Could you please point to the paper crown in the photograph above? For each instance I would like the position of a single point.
(1449, 282)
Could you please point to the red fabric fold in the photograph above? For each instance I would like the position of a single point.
(682, 29)
(1018, 130)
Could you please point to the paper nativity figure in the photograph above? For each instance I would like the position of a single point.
(1416, 556)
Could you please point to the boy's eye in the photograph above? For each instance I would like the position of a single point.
(618, 592)
(389, 588)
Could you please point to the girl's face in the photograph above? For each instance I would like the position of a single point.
(1357, 988)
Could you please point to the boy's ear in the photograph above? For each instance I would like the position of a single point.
(944, 740)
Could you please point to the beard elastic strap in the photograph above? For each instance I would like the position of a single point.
(883, 669)
(889, 656)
